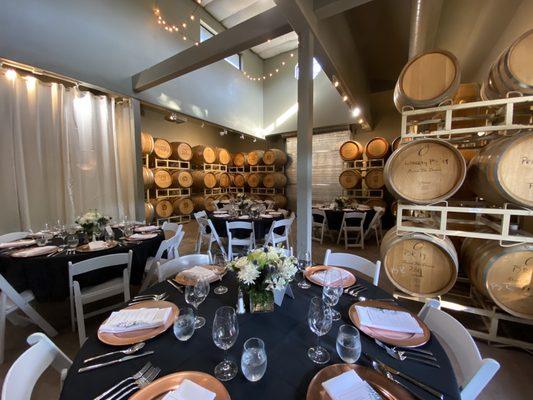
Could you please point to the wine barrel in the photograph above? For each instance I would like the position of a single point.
(425, 171)
(149, 212)
(203, 180)
(374, 178)
(503, 274)
(162, 207)
(275, 180)
(162, 148)
(255, 157)
(280, 200)
(181, 151)
(351, 150)
(148, 178)
(240, 159)
(162, 178)
(469, 153)
(377, 147)
(350, 178)
(182, 178)
(255, 180)
(396, 143)
(202, 202)
(183, 206)
(503, 171)
(275, 157)
(222, 156)
(147, 143)
(376, 203)
(427, 80)
(224, 197)
(419, 264)
(239, 180)
(224, 180)
(203, 155)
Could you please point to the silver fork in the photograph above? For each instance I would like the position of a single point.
(350, 288)
(139, 384)
(135, 376)
(135, 301)
(150, 296)
(408, 350)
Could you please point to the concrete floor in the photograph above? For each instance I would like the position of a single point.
(513, 381)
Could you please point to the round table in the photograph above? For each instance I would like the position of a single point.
(287, 338)
(261, 225)
(47, 277)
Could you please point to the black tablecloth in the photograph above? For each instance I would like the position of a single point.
(261, 226)
(287, 338)
(334, 218)
(47, 277)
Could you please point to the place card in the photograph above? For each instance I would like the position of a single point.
(391, 320)
(188, 390)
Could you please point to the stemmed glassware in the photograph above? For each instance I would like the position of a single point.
(254, 359)
(332, 291)
(195, 295)
(72, 242)
(348, 344)
(62, 234)
(220, 270)
(319, 320)
(225, 332)
(302, 265)
(185, 324)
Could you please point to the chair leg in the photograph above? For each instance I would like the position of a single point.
(38, 319)
(3, 302)
(79, 313)
(339, 237)
(362, 240)
(126, 278)
(377, 235)
(345, 239)
(72, 316)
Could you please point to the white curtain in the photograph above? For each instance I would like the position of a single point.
(62, 151)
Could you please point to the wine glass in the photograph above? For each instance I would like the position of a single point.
(185, 324)
(72, 242)
(220, 270)
(319, 320)
(332, 290)
(348, 344)
(254, 359)
(195, 295)
(225, 332)
(109, 235)
(40, 239)
(62, 233)
(302, 265)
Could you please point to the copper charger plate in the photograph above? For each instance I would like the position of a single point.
(147, 236)
(390, 337)
(19, 253)
(84, 248)
(182, 280)
(386, 388)
(126, 338)
(160, 387)
(309, 272)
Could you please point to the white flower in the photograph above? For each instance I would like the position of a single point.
(248, 274)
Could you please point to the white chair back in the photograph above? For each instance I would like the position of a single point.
(353, 222)
(171, 228)
(215, 238)
(355, 215)
(173, 267)
(200, 214)
(320, 221)
(274, 238)
(248, 241)
(357, 263)
(26, 370)
(10, 237)
(473, 373)
(101, 262)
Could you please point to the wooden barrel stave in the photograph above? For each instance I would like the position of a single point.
(349, 178)
(255, 179)
(240, 180)
(374, 178)
(240, 159)
(275, 180)
(224, 180)
(255, 157)
(149, 212)
(163, 207)
(148, 178)
(351, 150)
(147, 143)
(222, 156)
(203, 180)
(162, 148)
(275, 157)
(183, 206)
(182, 178)
(203, 155)
(162, 178)
(202, 202)
(377, 147)
(181, 151)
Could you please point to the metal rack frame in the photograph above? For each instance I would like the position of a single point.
(216, 190)
(215, 167)
(171, 192)
(236, 169)
(234, 189)
(363, 193)
(180, 219)
(263, 190)
(171, 164)
(363, 165)
(266, 168)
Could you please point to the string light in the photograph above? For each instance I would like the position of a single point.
(336, 83)
(11, 74)
(173, 28)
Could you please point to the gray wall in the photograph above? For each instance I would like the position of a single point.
(105, 42)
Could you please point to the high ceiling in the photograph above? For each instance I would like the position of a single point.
(233, 12)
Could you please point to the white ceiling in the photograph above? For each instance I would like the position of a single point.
(232, 12)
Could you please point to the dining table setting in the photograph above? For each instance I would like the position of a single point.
(333, 336)
(262, 220)
(335, 214)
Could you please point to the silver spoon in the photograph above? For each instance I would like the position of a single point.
(378, 368)
(130, 350)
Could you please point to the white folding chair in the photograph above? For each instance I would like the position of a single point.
(357, 263)
(375, 224)
(352, 222)
(10, 237)
(171, 247)
(248, 242)
(274, 238)
(112, 287)
(170, 229)
(285, 213)
(214, 238)
(320, 223)
(473, 373)
(178, 264)
(26, 370)
(11, 301)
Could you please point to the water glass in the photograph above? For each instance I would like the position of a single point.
(62, 233)
(348, 344)
(254, 359)
(184, 325)
(41, 239)
(225, 332)
(332, 290)
(195, 295)
(72, 242)
(320, 320)
(109, 235)
(302, 265)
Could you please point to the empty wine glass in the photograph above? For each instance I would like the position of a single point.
(319, 320)
(225, 332)
(62, 233)
(195, 295)
(302, 265)
(332, 290)
(348, 344)
(254, 359)
(185, 324)
(221, 267)
(40, 239)
(109, 235)
(72, 242)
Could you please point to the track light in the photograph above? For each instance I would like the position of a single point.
(356, 111)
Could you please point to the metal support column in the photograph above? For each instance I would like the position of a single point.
(139, 186)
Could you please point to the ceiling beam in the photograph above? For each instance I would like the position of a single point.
(256, 30)
(329, 8)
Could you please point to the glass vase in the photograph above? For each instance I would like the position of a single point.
(261, 301)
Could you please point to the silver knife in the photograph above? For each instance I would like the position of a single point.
(170, 282)
(415, 350)
(91, 367)
(421, 385)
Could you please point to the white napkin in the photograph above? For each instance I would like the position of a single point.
(36, 251)
(97, 245)
(142, 236)
(320, 277)
(136, 319)
(188, 390)
(197, 273)
(148, 228)
(266, 216)
(221, 215)
(18, 243)
(244, 217)
(391, 320)
(347, 386)
(347, 209)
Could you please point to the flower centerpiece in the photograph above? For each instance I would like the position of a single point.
(243, 204)
(263, 271)
(340, 202)
(93, 223)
